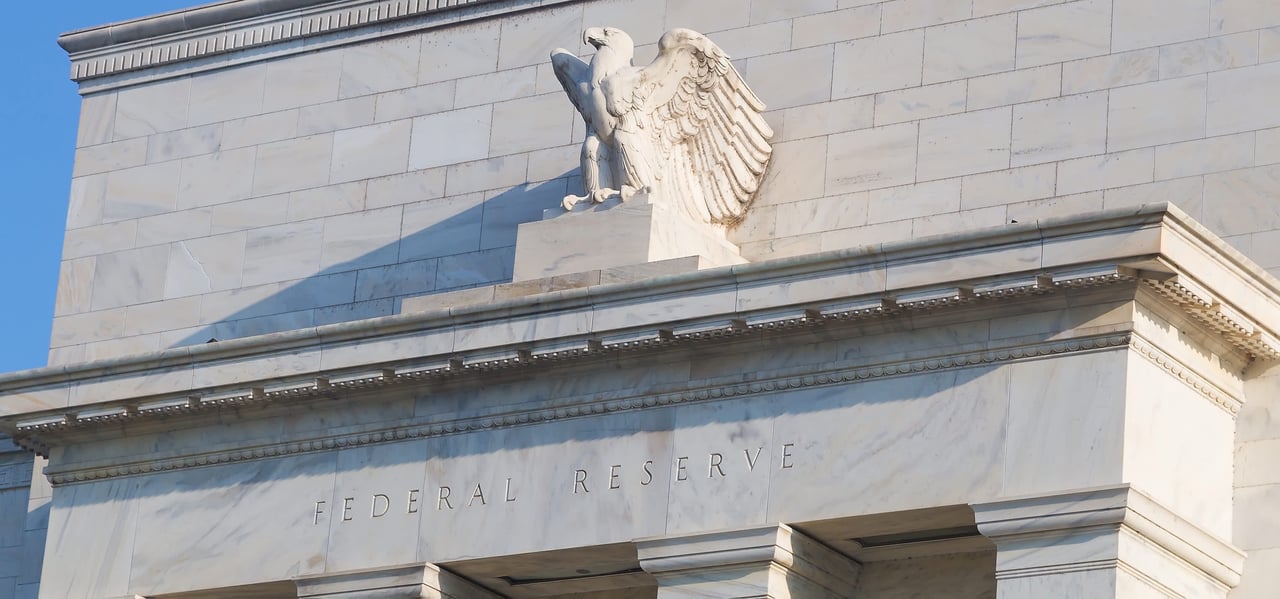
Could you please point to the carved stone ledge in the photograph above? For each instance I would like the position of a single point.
(393, 375)
(1055, 534)
(1228, 321)
(972, 271)
(426, 581)
(709, 390)
(769, 561)
(217, 30)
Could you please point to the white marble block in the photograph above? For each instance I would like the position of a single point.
(613, 234)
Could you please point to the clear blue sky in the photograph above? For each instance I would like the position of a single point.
(40, 109)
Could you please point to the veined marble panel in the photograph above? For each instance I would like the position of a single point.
(374, 510)
(204, 527)
(726, 450)
(934, 438)
(92, 531)
(1178, 448)
(1065, 431)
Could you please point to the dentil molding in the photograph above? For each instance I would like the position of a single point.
(202, 34)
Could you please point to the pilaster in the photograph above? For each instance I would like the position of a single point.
(1105, 542)
(422, 581)
(769, 561)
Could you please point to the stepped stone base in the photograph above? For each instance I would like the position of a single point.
(616, 234)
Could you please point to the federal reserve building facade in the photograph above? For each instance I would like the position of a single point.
(625, 299)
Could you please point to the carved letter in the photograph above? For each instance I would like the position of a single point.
(680, 473)
(413, 502)
(319, 510)
(346, 508)
(476, 494)
(715, 466)
(613, 477)
(648, 475)
(751, 462)
(444, 498)
(786, 455)
(580, 479)
(508, 493)
(386, 506)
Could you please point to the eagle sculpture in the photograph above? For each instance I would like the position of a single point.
(685, 126)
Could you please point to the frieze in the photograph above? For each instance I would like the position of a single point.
(442, 497)
(707, 391)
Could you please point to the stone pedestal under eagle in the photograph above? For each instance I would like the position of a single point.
(686, 126)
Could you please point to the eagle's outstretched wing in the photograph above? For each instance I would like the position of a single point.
(575, 77)
(704, 120)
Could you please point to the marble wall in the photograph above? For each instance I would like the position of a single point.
(327, 186)
(1257, 485)
(24, 517)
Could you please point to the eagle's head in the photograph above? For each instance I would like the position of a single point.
(610, 38)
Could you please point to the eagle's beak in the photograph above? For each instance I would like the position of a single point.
(593, 36)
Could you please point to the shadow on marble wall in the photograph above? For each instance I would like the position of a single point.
(473, 247)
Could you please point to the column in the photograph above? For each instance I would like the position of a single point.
(1103, 543)
(770, 561)
(425, 581)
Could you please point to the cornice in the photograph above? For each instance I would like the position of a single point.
(224, 28)
(701, 391)
(868, 283)
(515, 355)
(784, 270)
(1210, 310)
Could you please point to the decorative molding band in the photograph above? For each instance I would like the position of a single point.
(220, 29)
(1227, 321)
(706, 391)
(1188, 376)
(398, 581)
(1051, 521)
(1155, 584)
(33, 433)
(674, 560)
(507, 356)
(1035, 571)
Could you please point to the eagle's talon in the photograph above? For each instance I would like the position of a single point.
(601, 196)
